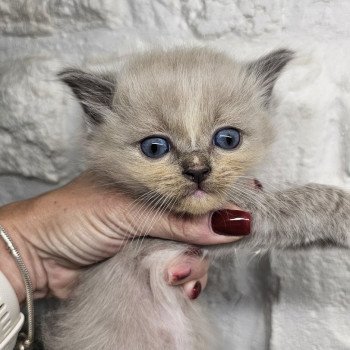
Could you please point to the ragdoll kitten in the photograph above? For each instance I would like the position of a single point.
(179, 129)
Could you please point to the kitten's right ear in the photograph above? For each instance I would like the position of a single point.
(94, 92)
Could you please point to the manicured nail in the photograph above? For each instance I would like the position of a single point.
(196, 290)
(258, 184)
(179, 273)
(231, 222)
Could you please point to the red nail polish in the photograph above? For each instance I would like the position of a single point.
(231, 222)
(196, 290)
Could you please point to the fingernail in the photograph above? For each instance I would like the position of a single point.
(258, 184)
(231, 222)
(196, 290)
(180, 273)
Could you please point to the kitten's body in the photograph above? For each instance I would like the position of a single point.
(124, 303)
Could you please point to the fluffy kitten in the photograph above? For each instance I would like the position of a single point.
(179, 129)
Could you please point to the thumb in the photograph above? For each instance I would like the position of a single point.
(222, 226)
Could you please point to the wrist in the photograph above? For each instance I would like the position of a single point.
(17, 221)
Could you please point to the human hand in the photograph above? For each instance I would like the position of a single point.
(81, 223)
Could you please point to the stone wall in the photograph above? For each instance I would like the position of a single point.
(290, 300)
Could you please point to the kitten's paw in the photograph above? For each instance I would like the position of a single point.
(190, 271)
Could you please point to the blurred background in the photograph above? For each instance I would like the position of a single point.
(287, 300)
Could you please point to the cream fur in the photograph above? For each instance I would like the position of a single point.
(184, 95)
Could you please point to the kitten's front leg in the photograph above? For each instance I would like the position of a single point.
(125, 303)
(297, 217)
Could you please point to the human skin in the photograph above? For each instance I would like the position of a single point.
(62, 231)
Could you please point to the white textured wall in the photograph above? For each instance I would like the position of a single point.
(290, 300)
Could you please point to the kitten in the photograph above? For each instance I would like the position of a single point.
(180, 129)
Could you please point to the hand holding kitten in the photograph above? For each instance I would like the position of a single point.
(80, 224)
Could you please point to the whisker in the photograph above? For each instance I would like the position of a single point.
(157, 214)
(143, 209)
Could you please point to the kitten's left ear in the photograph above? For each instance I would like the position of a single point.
(94, 92)
(268, 68)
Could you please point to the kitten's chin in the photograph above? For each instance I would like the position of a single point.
(199, 203)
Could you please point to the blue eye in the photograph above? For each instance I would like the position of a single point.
(155, 147)
(227, 138)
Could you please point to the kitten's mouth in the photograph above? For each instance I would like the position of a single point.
(199, 193)
(198, 201)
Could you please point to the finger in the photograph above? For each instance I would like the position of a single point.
(135, 219)
(61, 280)
(193, 289)
(189, 268)
(223, 226)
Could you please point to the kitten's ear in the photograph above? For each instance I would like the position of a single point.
(94, 92)
(268, 69)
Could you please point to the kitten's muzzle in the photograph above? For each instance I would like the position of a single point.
(197, 174)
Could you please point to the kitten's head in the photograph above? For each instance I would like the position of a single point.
(179, 127)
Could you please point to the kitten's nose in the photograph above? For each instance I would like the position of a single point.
(197, 174)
